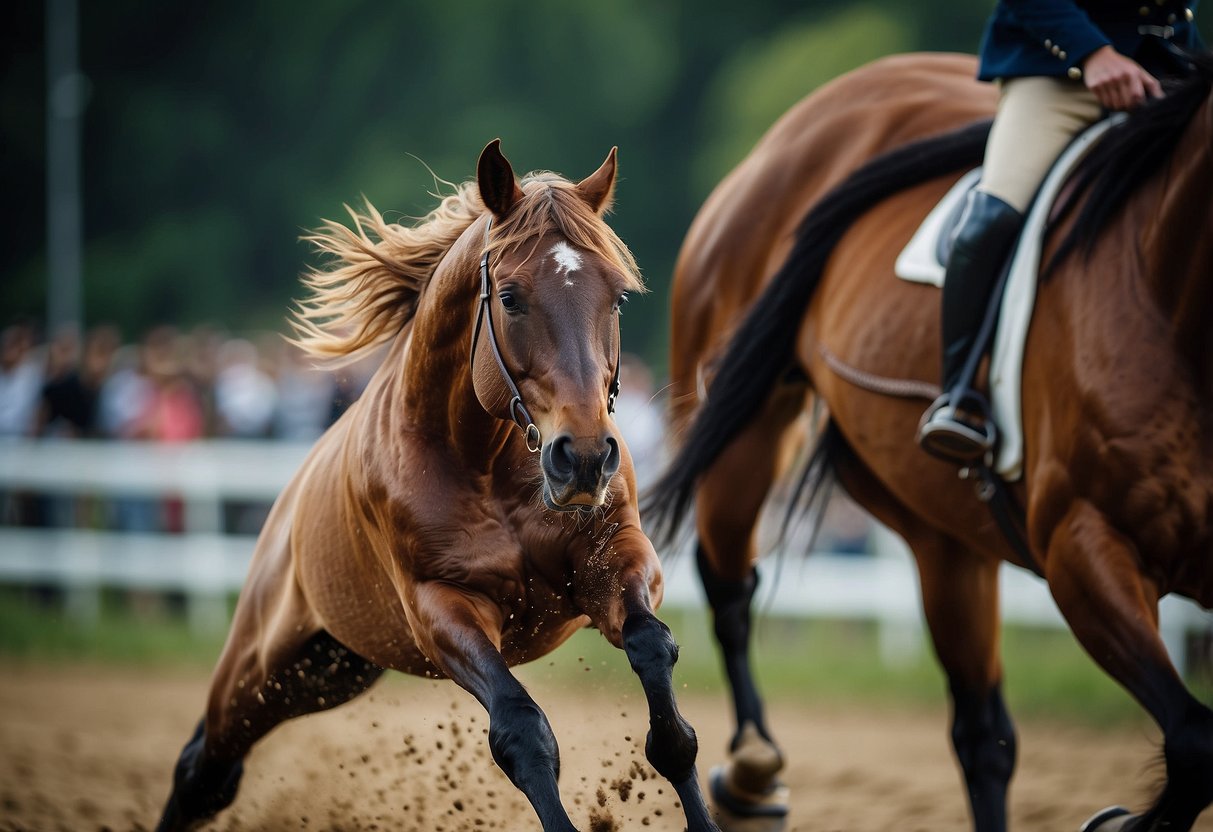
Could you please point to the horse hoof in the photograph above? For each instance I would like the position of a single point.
(754, 761)
(735, 810)
(1112, 819)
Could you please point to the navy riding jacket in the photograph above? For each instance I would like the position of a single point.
(1054, 37)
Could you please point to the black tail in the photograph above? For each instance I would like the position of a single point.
(764, 345)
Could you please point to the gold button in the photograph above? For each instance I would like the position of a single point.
(1144, 11)
(1170, 18)
(1075, 73)
(1056, 49)
(1048, 43)
(1062, 54)
(1189, 14)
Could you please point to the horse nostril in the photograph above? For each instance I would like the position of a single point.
(563, 458)
(611, 464)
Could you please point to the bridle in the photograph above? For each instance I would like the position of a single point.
(518, 412)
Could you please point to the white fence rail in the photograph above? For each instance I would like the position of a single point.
(206, 564)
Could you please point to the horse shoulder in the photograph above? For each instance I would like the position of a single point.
(1134, 448)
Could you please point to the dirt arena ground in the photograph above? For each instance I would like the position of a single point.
(92, 749)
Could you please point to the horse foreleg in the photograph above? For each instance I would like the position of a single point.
(960, 599)
(255, 688)
(671, 745)
(454, 633)
(1094, 574)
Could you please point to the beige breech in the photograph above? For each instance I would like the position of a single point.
(1037, 118)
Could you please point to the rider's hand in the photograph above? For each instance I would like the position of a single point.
(1119, 83)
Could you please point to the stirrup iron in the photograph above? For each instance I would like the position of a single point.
(949, 430)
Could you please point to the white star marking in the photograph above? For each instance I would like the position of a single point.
(567, 260)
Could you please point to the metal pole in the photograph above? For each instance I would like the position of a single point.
(66, 90)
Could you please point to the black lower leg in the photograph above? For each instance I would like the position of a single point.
(321, 674)
(731, 602)
(522, 741)
(1188, 751)
(671, 745)
(984, 740)
(202, 785)
(523, 745)
(652, 652)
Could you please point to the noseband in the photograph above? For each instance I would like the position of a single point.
(518, 412)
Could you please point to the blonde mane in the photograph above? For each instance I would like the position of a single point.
(375, 271)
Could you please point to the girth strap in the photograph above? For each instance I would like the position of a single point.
(1008, 514)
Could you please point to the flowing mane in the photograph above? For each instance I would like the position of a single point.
(367, 289)
(1129, 154)
(366, 292)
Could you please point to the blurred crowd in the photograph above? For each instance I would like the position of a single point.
(171, 386)
(176, 386)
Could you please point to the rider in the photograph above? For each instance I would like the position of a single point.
(1060, 65)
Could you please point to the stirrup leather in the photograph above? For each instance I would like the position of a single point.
(957, 427)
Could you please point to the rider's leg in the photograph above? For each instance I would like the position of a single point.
(1037, 118)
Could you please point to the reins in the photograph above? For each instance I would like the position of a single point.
(518, 412)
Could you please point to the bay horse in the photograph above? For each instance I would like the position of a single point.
(785, 303)
(474, 507)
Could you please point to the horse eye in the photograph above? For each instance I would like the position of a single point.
(509, 302)
(622, 300)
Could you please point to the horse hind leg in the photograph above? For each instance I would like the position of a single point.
(248, 699)
(746, 791)
(202, 787)
(1094, 576)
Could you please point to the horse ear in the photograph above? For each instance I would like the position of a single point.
(598, 188)
(498, 190)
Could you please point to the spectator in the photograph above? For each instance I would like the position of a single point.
(124, 395)
(20, 381)
(171, 411)
(305, 397)
(71, 396)
(201, 357)
(244, 395)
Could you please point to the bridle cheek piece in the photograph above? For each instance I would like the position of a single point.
(518, 412)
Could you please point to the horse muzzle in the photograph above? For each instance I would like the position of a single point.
(577, 471)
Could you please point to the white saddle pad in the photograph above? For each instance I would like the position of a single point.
(919, 263)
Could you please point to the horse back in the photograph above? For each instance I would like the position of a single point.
(746, 227)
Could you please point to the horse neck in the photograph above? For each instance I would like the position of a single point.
(433, 386)
(1178, 245)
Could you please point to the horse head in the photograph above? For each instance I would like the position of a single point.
(553, 280)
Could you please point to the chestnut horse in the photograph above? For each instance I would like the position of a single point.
(474, 507)
(785, 297)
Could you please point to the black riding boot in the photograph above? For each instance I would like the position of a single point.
(956, 427)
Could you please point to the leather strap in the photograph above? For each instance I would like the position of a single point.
(517, 410)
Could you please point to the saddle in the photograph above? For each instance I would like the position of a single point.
(923, 261)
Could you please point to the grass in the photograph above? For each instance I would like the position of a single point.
(141, 630)
(839, 663)
(820, 662)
